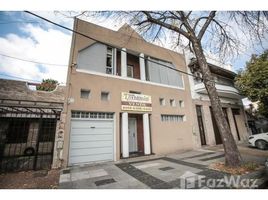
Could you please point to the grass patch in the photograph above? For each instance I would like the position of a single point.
(245, 168)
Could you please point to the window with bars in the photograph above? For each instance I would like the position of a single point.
(48, 127)
(172, 118)
(92, 115)
(18, 131)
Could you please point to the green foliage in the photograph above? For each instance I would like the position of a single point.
(253, 81)
(47, 85)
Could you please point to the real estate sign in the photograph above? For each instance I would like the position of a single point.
(136, 102)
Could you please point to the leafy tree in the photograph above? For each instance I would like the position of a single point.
(253, 81)
(47, 85)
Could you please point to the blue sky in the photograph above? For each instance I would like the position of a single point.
(27, 37)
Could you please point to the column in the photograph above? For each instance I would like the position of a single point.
(114, 61)
(209, 126)
(124, 132)
(124, 62)
(232, 123)
(146, 134)
(142, 67)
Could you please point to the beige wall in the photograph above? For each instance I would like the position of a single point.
(166, 137)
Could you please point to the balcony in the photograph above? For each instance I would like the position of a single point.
(223, 90)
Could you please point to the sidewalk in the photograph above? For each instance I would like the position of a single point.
(183, 170)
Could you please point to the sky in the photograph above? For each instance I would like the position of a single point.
(26, 37)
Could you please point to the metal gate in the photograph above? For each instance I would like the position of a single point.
(27, 137)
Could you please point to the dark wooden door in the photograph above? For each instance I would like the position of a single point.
(200, 124)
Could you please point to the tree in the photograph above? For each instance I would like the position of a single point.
(222, 40)
(253, 81)
(47, 85)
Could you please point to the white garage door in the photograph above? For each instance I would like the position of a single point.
(92, 140)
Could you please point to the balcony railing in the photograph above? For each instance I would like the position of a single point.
(223, 90)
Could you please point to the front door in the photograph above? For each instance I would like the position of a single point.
(132, 134)
(200, 124)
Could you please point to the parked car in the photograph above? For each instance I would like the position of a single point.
(259, 140)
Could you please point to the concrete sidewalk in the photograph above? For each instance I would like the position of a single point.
(183, 170)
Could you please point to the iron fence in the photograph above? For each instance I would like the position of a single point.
(27, 137)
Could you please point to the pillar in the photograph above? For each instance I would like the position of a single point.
(232, 123)
(124, 62)
(146, 134)
(114, 61)
(124, 126)
(142, 67)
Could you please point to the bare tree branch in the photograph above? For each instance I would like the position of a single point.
(205, 26)
(166, 25)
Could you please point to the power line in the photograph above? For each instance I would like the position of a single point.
(84, 35)
(20, 78)
(15, 22)
(31, 61)
(24, 79)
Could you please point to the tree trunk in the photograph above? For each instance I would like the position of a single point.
(232, 155)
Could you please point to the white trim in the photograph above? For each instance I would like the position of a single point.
(124, 126)
(114, 136)
(128, 79)
(114, 61)
(142, 67)
(124, 62)
(146, 134)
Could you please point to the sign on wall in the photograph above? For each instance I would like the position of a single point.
(136, 102)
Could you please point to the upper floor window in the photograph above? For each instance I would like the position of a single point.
(130, 70)
(109, 61)
(163, 72)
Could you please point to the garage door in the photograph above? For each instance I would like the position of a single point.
(92, 140)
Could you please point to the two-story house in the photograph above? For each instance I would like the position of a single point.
(205, 129)
(125, 97)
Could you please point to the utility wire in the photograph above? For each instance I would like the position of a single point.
(36, 62)
(24, 79)
(15, 22)
(89, 37)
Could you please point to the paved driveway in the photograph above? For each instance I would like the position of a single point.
(173, 171)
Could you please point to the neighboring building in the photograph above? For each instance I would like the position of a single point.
(257, 123)
(205, 128)
(30, 130)
(120, 105)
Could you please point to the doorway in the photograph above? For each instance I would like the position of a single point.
(216, 129)
(215, 126)
(200, 124)
(132, 134)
